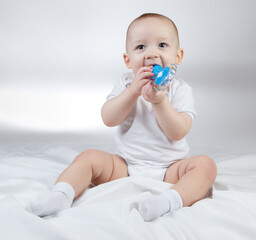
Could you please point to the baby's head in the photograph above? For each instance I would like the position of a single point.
(152, 39)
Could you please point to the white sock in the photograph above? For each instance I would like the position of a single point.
(151, 207)
(60, 198)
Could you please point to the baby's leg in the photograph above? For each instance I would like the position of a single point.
(90, 166)
(192, 177)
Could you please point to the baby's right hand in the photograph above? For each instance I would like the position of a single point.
(141, 78)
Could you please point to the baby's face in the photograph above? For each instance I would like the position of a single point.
(152, 41)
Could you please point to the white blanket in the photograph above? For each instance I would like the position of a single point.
(109, 211)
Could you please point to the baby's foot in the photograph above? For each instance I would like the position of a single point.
(49, 204)
(59, 199)
(151, 207)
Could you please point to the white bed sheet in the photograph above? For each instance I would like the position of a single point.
(109, 211)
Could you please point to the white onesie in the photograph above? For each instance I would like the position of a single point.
(141, 142)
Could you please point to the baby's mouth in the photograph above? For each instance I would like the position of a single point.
(152, 65)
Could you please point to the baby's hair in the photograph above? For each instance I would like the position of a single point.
(156, 15)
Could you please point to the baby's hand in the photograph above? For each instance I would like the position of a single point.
(141, 78)
(152, 96)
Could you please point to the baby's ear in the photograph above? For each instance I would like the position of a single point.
(179, 57)
(126, 60)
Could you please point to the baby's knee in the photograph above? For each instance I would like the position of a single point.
(208, 167)
(86, 156)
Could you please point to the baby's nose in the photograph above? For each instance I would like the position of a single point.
(151, 53)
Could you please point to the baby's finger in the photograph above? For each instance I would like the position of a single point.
(150, 90)
(145, 69)
(145, 75)
(144, 82)
(146, 89)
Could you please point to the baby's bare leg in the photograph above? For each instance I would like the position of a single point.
(93, 166)
(90, 166)
(192, 178)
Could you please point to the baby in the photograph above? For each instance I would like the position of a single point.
(150, 137)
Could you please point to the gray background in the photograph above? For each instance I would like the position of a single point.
(59, 60)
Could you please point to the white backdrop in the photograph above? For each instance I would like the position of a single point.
(59, 59)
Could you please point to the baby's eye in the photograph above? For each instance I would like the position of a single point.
(140, 47)
(162, 45)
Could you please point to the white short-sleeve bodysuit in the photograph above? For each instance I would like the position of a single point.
(141, 142)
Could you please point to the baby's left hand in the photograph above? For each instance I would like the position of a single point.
(151, 96)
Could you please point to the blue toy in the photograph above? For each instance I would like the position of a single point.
(163, 76)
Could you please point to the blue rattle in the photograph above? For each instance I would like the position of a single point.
(163, 76)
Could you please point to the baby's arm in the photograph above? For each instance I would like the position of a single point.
(115, 110)
(174, 124)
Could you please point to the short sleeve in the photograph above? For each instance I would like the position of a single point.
(181, 97)
(120, 85)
